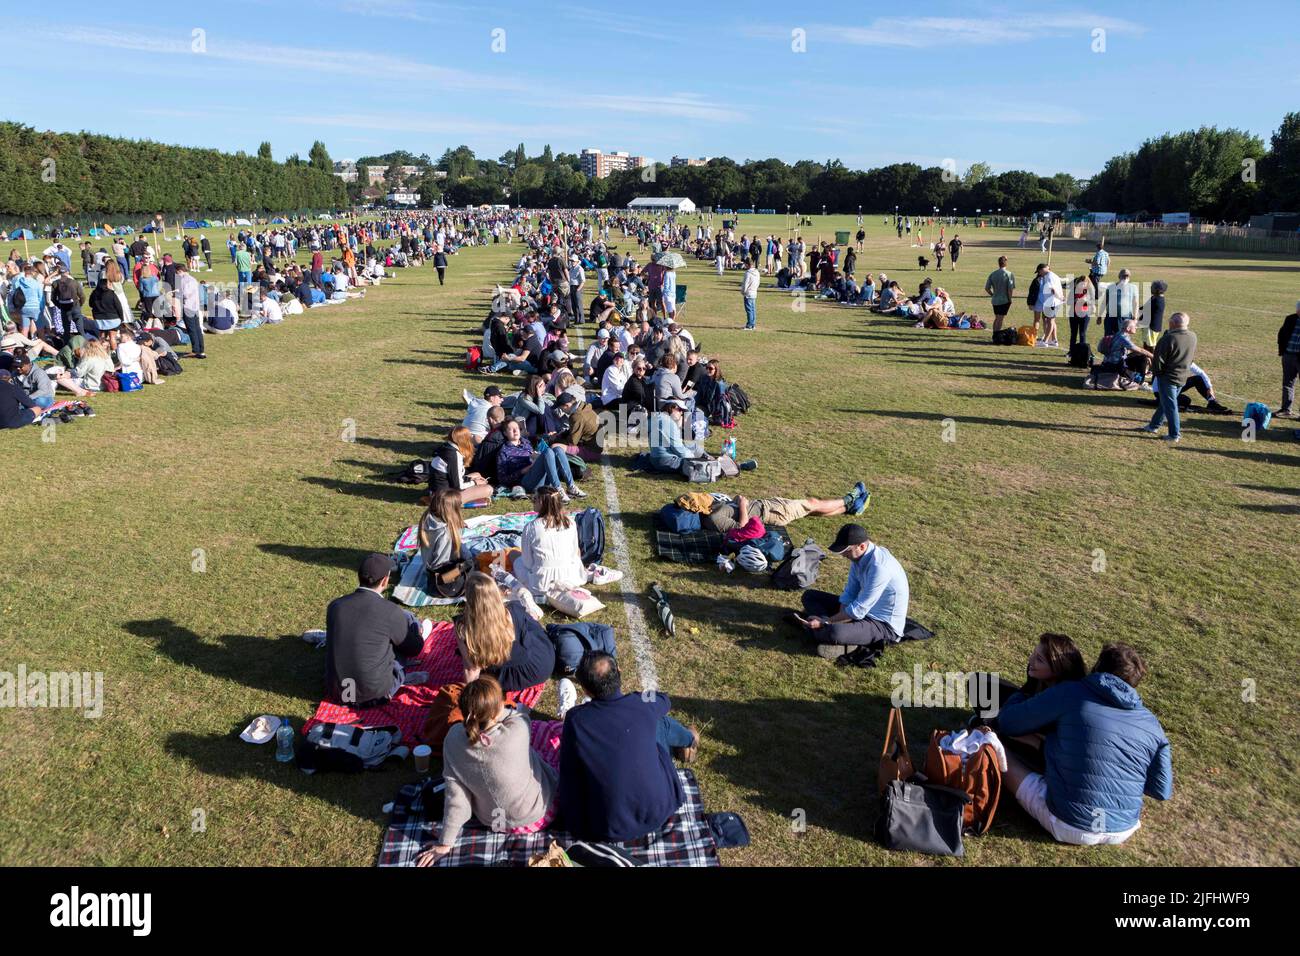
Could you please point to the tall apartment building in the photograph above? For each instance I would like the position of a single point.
(598, 165)
(688, 161)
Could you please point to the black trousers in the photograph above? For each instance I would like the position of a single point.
(194, 329)
(442, 272)
(1079, 329)
(850, 633)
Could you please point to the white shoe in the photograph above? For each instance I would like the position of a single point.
(568, 692)
(575, 492)
(565, 498)
(1052, 344)
(598, 574)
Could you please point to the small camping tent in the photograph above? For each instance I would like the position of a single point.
(150, 227)
(191, 224)
(279, 220)
(22, 234)
(205, 223)
(242, 222)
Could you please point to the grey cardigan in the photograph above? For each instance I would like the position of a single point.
(501, 781)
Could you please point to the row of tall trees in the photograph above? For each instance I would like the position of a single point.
(53, 175)
(1212, 173)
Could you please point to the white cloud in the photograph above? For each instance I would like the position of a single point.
(681, 105)
(948, 32)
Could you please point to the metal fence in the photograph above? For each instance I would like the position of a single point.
(1205, 237)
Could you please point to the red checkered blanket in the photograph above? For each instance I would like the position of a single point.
(409, 709)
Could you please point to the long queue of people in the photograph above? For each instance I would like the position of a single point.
(50, 345)
(614, 778)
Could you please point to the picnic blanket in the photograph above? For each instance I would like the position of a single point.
(685, 840)
(698, 547)
(409, 709)
(410, 564)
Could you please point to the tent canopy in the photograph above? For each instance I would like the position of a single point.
(21, 234)
(191, 224)
(278, 219)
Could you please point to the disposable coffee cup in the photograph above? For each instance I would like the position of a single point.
(422, 753)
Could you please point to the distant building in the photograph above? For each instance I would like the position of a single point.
(346, 170)
(598, 165)
(402, 197)
(662, 204)
(688, 161)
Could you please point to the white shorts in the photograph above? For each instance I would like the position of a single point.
(1032, 795)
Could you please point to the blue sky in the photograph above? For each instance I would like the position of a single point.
(1013, 84)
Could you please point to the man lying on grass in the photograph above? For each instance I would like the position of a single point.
(727, 514)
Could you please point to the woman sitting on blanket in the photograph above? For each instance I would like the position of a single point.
(499, 638)
(522, 469)
(447, 468)
(492, 774)
(439, 539)
(551, 555)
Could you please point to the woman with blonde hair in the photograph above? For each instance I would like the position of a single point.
(439, 540)
(497, 637)
(551, 556)
(116, 282)
(93, 361)
(491, 773)
(447, 469)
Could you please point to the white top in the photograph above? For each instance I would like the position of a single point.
(128, 353)
(551, 558)
(611, 385)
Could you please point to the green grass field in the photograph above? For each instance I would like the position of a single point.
(243, 457)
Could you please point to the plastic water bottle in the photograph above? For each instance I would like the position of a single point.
(284, 741)
(729, 447)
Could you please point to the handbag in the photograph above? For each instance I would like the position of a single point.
(979, 777)
(575, 602)
(701, 469)
(922, 818)
(895, 761)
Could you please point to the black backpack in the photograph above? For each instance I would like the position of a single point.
(168, 364)
(1035, 284)
(346, 748)
(416, 473)
(799, 570)
(1081, 355)
(740, 402)
(1005, 336)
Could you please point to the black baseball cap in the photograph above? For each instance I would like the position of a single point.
(374, 568)
(850, 535)
(492, 391)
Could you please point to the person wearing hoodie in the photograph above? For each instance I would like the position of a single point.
(1104, 750)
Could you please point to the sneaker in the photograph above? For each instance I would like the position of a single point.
(568, 692)
(1146, 387)
(575, 492)
(1172, 439)
(1288, 413)
(565, 498)
(861, 499)
(599, 574)
(518, 493)
(1147, 428)
(1053, 344)
(315, 637)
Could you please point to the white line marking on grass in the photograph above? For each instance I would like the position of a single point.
(636, 624)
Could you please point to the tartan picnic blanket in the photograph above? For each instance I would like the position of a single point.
(409, 708)
(410, 564)
(685, 840)
(697, 547)
(691, 547)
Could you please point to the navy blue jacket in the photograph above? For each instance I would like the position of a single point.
(616, 782)
(1104, 749)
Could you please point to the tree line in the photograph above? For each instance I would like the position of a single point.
(1212, 173)
(66, 175)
